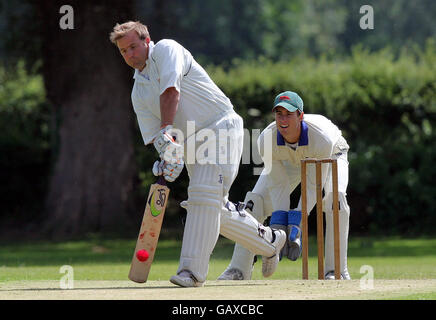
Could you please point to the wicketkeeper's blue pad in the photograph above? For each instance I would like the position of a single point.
(279, 217)
(294, 220)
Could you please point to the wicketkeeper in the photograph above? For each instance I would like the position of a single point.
(172, 91)
(292, 137)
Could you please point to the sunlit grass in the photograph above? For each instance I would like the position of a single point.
(101, 259)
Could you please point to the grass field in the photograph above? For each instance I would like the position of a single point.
(402, 269)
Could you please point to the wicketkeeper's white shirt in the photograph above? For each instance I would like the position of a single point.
(319, 138)
(170, 65)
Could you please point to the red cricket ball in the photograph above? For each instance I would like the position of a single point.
(142, 255)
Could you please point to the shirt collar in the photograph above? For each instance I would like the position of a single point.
(150, 49)
(304, 136)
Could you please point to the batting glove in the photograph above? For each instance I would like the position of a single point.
(170, 171)
(158, 167)
(168, 149)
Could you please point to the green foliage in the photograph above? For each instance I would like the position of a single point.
(385, 107)
(217, 31)
(19, 26)
(24, 142)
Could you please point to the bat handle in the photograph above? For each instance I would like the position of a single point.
(161, 181)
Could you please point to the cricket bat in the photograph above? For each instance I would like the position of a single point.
(150, 230)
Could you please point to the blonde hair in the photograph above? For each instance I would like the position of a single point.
(120, 30)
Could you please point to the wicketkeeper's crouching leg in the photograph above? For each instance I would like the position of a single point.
(344, 218)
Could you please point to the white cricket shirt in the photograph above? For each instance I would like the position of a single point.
(170, 65)
(319, 138)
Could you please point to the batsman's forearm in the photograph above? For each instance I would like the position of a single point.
(169, 102)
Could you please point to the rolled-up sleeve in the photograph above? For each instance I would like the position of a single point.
(171, 62)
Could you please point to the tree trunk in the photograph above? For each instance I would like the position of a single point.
(89, 86)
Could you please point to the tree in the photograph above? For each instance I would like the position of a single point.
(89, 87)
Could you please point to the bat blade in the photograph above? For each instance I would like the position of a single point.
(150, 230)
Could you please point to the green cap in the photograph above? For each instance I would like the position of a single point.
(289, 100)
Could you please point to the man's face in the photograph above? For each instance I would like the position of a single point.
(134, 50)
(288, 123)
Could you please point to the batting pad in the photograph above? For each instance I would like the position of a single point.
(205, 200)
(242, 259)
(199, 238)
(244, 229)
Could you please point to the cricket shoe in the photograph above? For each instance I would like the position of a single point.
(231, 274)
(331, 275)
(185, 279)
(269, 264)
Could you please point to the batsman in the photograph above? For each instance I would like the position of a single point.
(294, 136)
(177, 105)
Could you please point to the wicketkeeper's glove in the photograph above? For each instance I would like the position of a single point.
(294, 234)
(289, 221)
(279, 220)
